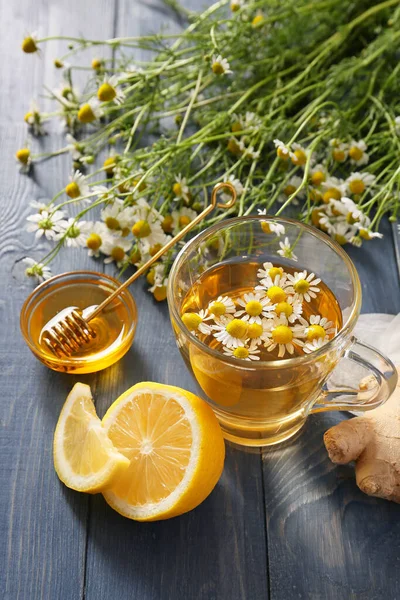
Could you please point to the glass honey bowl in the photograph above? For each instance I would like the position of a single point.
(115, 326)
(267, 401)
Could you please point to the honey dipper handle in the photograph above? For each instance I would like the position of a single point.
(171, 243)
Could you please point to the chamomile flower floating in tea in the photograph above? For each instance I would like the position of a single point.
(283, 313)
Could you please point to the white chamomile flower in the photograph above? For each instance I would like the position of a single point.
(116, 248)
(275, 285)
(342, 232)
(357, 152)
(46, 223)
(36, 269)
(109, 90)
(349, 207)
(365, 233)
(226, 196)
(255, 306)
(283, 336)
(77, 149)
(270, 226)
(318, 174)
(34, 119)
(357, 183)
(252, 121)
(292, 308)
(42, 206)
(316, 344)
(181, 188)
(333, 188)
(236, 4)
(319, 327)
(181, 218)
(304, 285)
(117, 217)
(244, 352)
(283, 151)
(74, 232)
(196, 322)
(147, 228)
(96, 236)
(232, 333)
(301, 155)
(90, 111)
(219, 65)
(249, 152)
(221, 307)
(340, 150)
(269, 273)
(286, 250)
(397, 124)
(291, 185)
(24, 159)
(77, 187)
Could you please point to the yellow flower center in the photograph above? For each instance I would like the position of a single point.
(125, 231)
(237, 328)
(258, 19)
(357, 186)
(316, 216)
(94, 241)
(141, 229)
(154, 249)
(301, 286)
(284, 307)
(318, 177)
(299, 157)
(314, 332)
(97, 63)
(274, 271)
(331, 194)
(218, 309)
(236, 126)
(118, 253)
(141, 187)
(350, 219)
(112, 223)
(184, 220)
(109, 165)
(106, 92)
(282, 334)
(58, 63)
(72, 190)
(241, 352)
(253, 308)
(254, 330)
(338, 155)
(315, 196)
(135, 256)
(235, 6)
(23, 155)
(233, 147)
(29, 45)
(191, 320)
(355, 153)
(177, 189)
(364, 234)
(289, 190)
(340, 239)
(160, 293)
(167, 224)
(276, 294)
(266, 227)
(150, 277)
(28, 116)
(217, 68)
(282, 153)
(86, 114)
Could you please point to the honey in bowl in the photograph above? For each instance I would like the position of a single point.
(114, 327)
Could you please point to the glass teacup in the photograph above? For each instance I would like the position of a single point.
(266, 402)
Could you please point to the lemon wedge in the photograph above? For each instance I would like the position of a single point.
(84, 457)
(175, 447)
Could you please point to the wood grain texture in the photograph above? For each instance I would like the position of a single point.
(326, 539)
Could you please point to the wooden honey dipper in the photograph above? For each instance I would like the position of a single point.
(71, 332)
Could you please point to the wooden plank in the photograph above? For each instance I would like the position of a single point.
(216, 551)
(42, 523)
(326, 539)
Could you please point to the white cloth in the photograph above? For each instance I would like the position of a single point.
(382, 332)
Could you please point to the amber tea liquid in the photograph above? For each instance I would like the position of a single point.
(252, 400)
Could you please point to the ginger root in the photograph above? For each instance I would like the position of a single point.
(373, 441)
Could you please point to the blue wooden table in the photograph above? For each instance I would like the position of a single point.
(283, 524)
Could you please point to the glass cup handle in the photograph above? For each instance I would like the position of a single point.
(369, 362)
